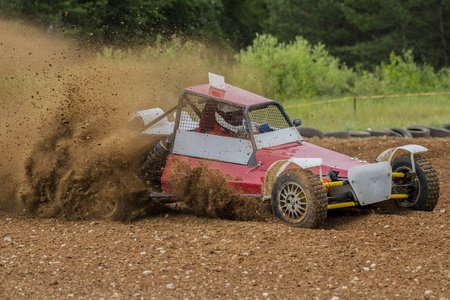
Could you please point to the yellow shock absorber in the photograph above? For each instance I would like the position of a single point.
(341, 205)
(398, 175)
(333, 183)
(399, 196)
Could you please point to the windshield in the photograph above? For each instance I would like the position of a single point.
(267, 118)
(271, 128)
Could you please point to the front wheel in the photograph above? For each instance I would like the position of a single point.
(299, 199)
(422, 188)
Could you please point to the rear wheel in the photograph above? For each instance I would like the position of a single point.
(422, 188)
(299, 199)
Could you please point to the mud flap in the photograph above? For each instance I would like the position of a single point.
(371, 183)
(389, 153)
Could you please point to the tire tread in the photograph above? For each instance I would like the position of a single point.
(433, 182)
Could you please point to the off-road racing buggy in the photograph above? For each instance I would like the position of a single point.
(252, 141)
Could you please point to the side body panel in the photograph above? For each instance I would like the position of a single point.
(249, 179)
(241, 178)
(213, 147)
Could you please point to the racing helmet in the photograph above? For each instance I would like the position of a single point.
(229, 117)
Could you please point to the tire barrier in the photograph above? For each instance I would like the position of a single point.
(437, 132)
(447, 126)
(310, 132)
(338, 134)
(398, 132)
(377, 133)
(417, 131)
(359, 134)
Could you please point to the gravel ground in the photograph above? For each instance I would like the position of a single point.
(371, 253)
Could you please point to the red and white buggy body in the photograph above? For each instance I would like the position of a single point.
(263, 155)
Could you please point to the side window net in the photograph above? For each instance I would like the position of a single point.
(211, 117)
(191, 113)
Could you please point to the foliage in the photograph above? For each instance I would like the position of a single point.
(359, 33)
(392, 47)
(303, 61)
(366, 32)
(401, 75)
(319, 21)
(297, 69)
(128, 23)
(386, 26)
(161, 49)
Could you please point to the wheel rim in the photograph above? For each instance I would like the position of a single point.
(413, 191)
(292, 202)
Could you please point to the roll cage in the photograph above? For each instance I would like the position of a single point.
(193, 136)
(190, 139)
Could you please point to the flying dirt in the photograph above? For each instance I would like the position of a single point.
(65, 143)
(68, 150)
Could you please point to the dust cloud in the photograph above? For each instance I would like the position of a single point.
(66, 149)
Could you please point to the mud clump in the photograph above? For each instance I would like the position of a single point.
(84, 163)
(64, 112)
(73, 176)
(206, 193)
(66, 150)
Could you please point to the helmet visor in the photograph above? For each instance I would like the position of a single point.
(233, 117)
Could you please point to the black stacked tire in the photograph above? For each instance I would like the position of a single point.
(377, 133)
(338, 134)
(310, 132)
(438, 132)
(417, 131)
(398, 132)
(447, 126)
(359, 134)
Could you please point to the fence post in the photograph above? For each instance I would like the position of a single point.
(354, 104)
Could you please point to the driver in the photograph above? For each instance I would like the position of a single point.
(228, 119)
(222, 119)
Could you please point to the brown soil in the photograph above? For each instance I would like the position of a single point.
(64, 151)
(358, 253)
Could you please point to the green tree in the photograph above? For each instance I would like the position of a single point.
(242, 20)
(129, 22)
(298, 69)
(318, 21)
(365, 32)
(386, 26)
(125, 22)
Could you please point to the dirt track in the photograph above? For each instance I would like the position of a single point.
(365, 254)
